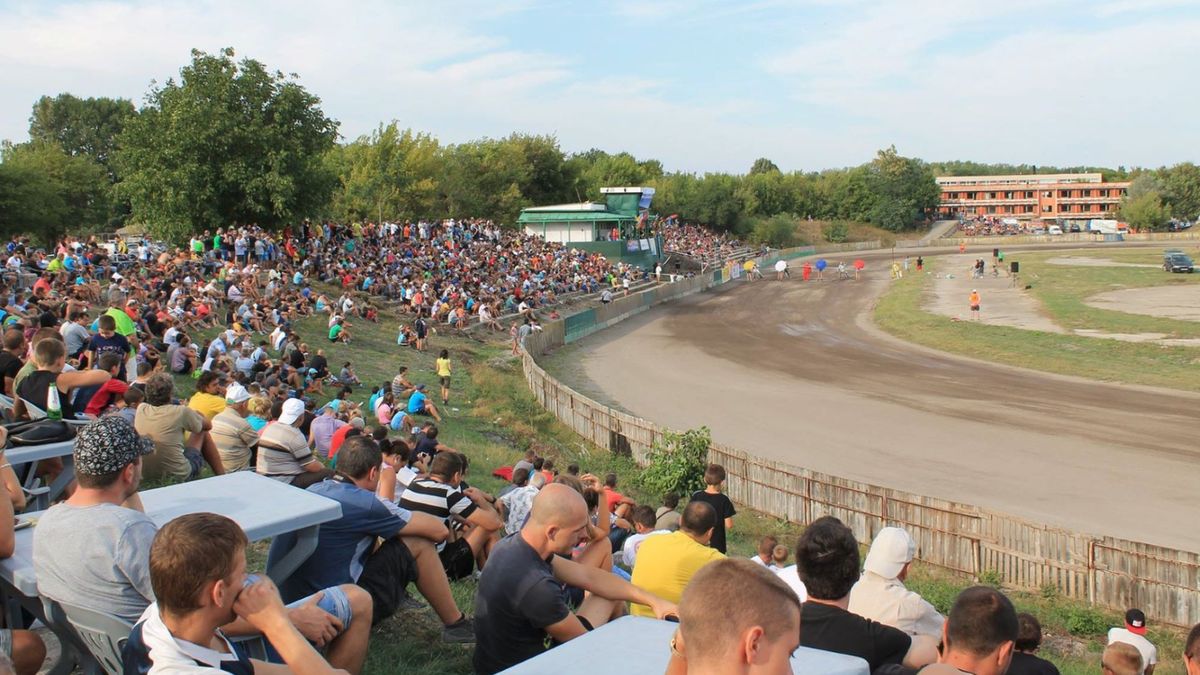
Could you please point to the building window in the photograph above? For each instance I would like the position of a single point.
(1008, 195)
(1047, 208)
(991, 209)
(1063, 194)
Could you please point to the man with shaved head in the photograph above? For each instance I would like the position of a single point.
(521, 601)
(735, 617)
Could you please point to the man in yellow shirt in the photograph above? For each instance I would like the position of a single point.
(667, 562)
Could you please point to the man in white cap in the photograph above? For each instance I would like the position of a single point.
(880, 593)
(283, 452)
(236, 440)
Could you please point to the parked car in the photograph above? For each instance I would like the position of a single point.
(1074, 227)
(1178, 262)
(1054, 229)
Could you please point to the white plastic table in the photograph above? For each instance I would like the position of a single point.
(31, 454)
(263, 507)
(635, 645)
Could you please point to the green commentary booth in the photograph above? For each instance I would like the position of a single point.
(614, 229)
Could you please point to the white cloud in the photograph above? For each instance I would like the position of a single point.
(825, 92)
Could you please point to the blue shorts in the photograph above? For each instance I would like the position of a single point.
(333, 601)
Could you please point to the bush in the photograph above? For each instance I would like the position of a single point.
(836, 232)
(1084, 621)
(677, 462)
(991, 578)
(778, 231)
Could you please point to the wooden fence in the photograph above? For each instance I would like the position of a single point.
(969, 540)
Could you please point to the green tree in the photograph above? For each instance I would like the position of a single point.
(389, 175)
(1144, 212)
(48, 192)
(763, 165)
(483, 179)
(901, 189)
(228, 143)
(1181, 190)
(82, 126)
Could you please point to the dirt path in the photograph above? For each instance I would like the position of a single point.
(1002, 302)
(791, 371)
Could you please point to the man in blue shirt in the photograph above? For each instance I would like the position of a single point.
(348, 550)
(418, 404)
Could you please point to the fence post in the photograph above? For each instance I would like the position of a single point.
(1091, 576)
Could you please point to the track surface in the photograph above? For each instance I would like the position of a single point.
(794, 371)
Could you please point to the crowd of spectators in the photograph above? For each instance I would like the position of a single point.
(554, 555)
(698, 241)
(986, 226)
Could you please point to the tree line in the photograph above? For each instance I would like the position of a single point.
(231, 142)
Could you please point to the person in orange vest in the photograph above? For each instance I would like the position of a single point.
(973, 301)
(806, 271)
(962, 247)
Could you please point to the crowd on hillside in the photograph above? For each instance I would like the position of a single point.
(553, 555)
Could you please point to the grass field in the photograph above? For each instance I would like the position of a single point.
(493, 417)
(1062, 290)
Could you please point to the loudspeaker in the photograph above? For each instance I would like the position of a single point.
(1014, 267)
(995, 253)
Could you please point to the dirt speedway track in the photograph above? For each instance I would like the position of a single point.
(795, 371)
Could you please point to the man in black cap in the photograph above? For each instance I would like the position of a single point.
(1134, 633)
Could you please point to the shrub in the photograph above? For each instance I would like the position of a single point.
(676, 463)
(991, 578)
(836, 232)
(1085, 621)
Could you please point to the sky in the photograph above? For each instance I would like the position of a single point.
(700, 85)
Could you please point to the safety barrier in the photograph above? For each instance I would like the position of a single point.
(1105, 571)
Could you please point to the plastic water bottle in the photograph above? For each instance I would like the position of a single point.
(53, 407)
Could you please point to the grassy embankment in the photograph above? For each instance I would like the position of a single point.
(1062, 291)
(497, 417)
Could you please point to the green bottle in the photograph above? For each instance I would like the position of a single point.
(53, 407)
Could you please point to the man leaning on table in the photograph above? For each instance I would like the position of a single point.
(198, 570)
(93, 550)
(521, 604)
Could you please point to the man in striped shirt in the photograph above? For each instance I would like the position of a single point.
(469, 513)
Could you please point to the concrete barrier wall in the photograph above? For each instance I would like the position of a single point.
(1111, 573)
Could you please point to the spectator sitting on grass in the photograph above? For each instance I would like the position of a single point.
(1029, 638)
(827, 560)
(617, 502)
(979, 635)
(112, 389)
(643, 525)
(165, 423)
(666, 564)
(1191, 651)
(880, 594)
(348, 552)
(50, 358)
(283, 452)
(1134, 633)
(1121, 658)
(520, 602)
(519, 502)
(766, 551)
(735, 618)
(419, 404)
(235, 439)
(666, 517)
(468, 512)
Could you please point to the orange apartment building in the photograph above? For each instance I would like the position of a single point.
(1050, 196)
